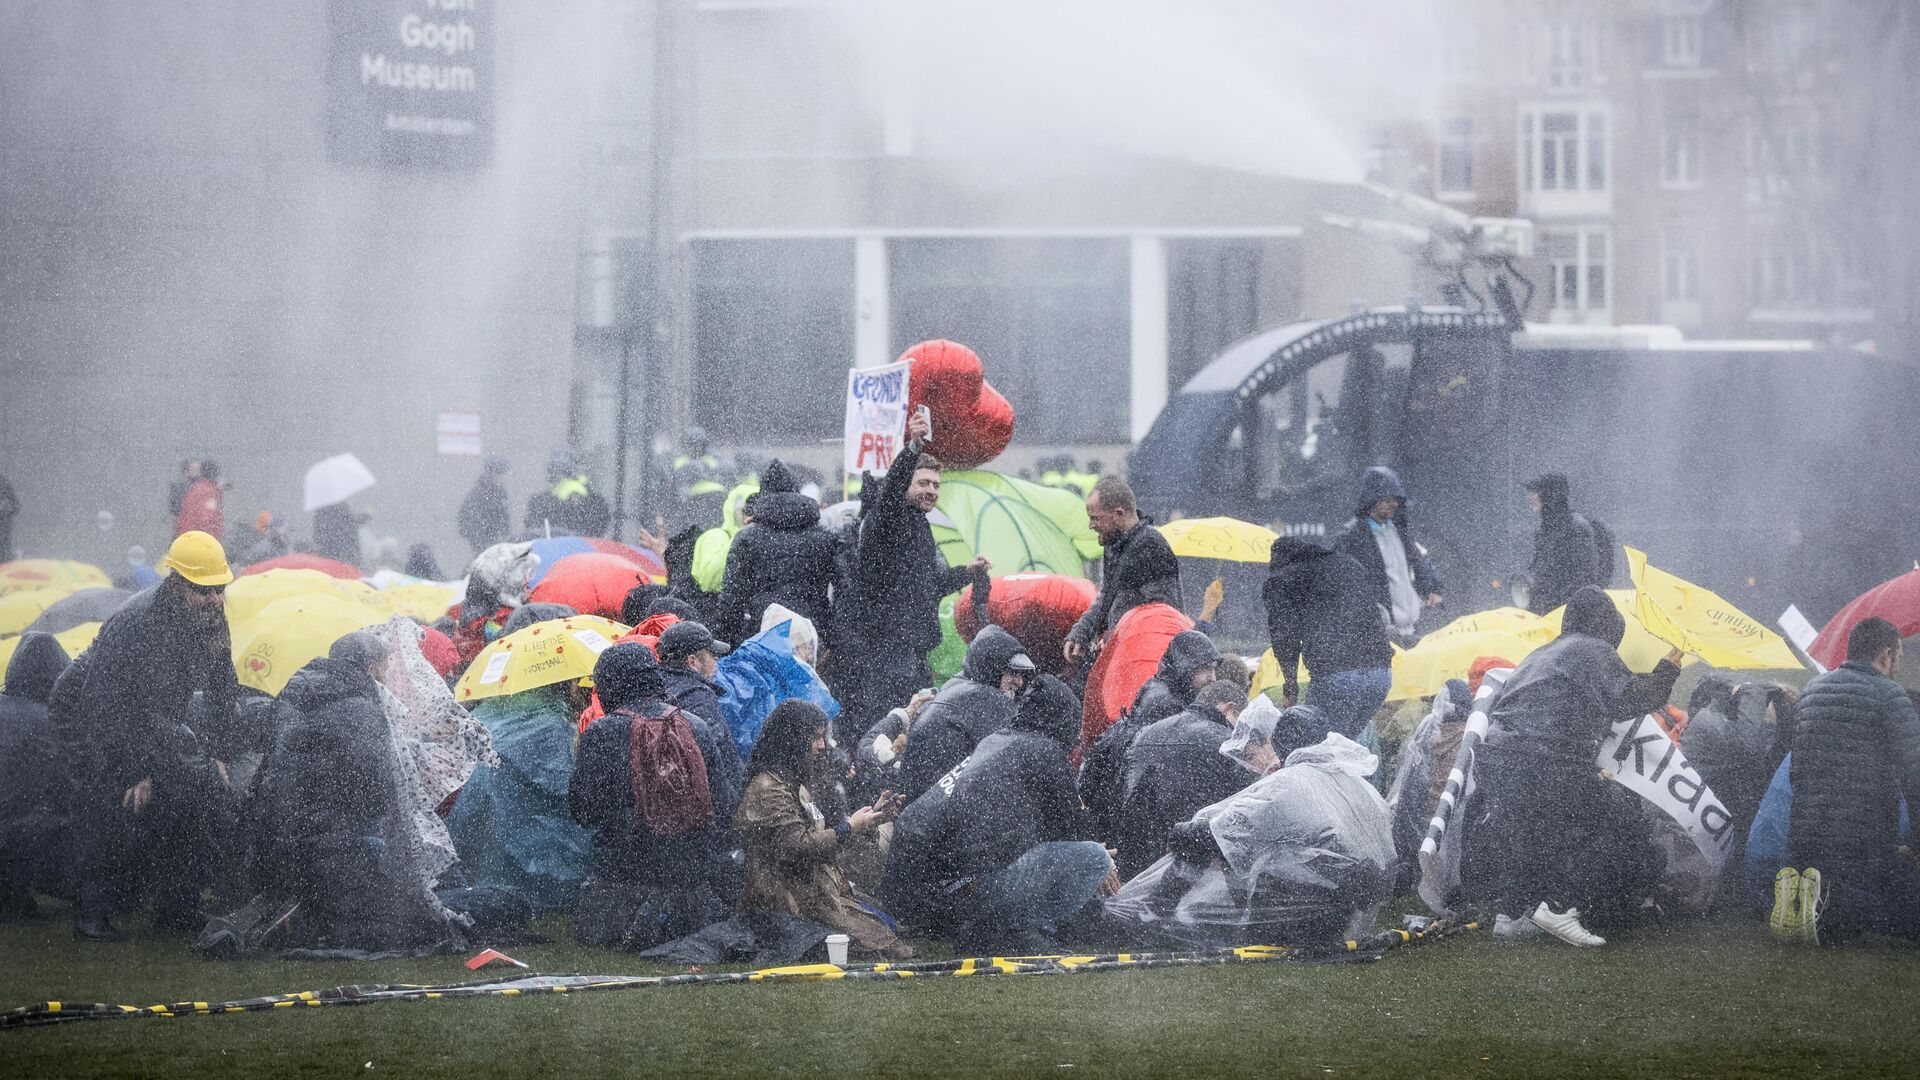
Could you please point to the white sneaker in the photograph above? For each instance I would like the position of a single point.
(1566, 927)
(1507, 929)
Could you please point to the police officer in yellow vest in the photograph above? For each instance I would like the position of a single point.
(699, 484)
(569, 507)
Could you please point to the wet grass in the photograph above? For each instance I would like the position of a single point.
(1707, 1000)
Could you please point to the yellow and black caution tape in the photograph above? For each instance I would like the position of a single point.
(522, 985)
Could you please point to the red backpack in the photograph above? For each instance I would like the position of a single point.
(670, 790)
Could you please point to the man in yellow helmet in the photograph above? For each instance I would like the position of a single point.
(153, 805)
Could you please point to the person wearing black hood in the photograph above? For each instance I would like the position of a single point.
(486, 515)
(147, 787)
(336, 832)
(972, 705)
(650, 884)
(1173, 768)
(890, 617)
(1381, 541)
(1566, 549)
(1138, 567)
(994, 855)
(784, 556)
(1321, 610)
(1548, 837)
(35, 849)
(1190, 664)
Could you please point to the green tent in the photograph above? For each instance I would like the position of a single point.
(1021, 526)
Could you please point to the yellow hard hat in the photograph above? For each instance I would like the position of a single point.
(199, 558)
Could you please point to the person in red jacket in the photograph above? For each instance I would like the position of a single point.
(200, 506)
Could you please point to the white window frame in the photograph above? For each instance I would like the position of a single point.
(1680, 153)
(1456, 136)
(1590, 140)
(1571, 279)
(1679, 267)
(1680, 40)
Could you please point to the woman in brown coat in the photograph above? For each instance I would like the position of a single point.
(791, 850)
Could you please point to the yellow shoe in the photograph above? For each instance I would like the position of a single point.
(1813, 899)
(1785, 921)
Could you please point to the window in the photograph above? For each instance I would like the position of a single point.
(768, 313)
(1579, 277)
(1680, 40)
(1680, 152)
(1566, 60)
(1049, 318)
(1568, 154)
(1679, 267)
(1456, 157)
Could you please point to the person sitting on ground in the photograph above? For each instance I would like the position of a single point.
(1856, 753)
(1174, 768)
(1138, 568)
(689, 660)
(1303, 856)
(339, 830)
(1550, 838)
(35, 845)
(641, 784)
(792, 850)
(994, 855)
(1265, 734)
(784, 557)
(880, 754)
(971, 706)
(1189, 665)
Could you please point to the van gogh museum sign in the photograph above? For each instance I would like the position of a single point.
(410, 83)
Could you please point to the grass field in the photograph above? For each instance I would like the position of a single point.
(1705, 1000)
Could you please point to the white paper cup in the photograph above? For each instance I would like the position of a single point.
(837, 950)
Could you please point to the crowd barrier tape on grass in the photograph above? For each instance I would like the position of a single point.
(57, 1012)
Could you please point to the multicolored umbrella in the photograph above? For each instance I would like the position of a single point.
(552, 549)
(591, 583)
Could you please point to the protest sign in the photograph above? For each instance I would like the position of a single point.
(876, 417)
(1640, 757)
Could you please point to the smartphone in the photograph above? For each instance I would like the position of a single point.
(926, 417)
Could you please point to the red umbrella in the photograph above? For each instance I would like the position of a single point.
(303, 561)
(1037, 609)
(590, 583)
(1897, 601)
(1131, 657)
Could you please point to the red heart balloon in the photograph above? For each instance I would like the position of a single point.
(972, 422)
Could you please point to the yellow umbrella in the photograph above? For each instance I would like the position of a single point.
(74, 641)
(251, 593)
(23, 574)
(1423, 670)
(282, 637)
(555, 651)
(1224, 538)
(19, 609)
(426, 600)
(1701, 622)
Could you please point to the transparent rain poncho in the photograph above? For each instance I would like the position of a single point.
(1301, 856)
(436, 743)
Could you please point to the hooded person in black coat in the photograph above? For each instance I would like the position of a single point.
(1856, 753)
(1566, 551)
(994, 853)
(1380, 539)
(1322, 610)
(646, 888)
(35, 849)
(1544, 829)
(784, 556)
(972, 705)
(896, 578)
(1190, 664)
(1173, 768)
(338, 832)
